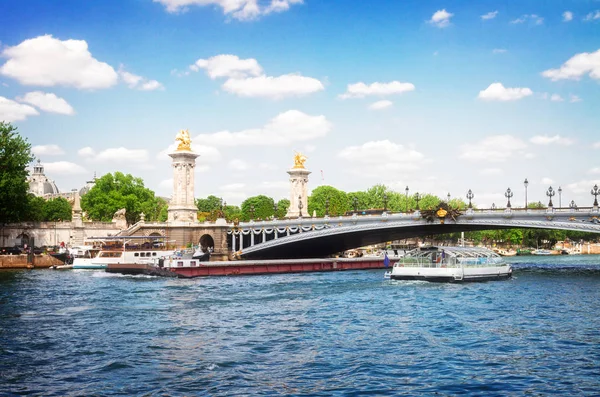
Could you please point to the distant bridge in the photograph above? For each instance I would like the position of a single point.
(317, 237)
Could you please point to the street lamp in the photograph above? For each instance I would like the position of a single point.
(493, 206)
(470, 196)
(406, 190)
(251, 210)
(526, 183)
(573, 206)
(274, 210)
(448, 198)
(417, 198)
(300, 206)
(508, 195)
(550, 193)
(327, 206)
(559, 197)
(355, 204)
(595, 193)
(385, 201)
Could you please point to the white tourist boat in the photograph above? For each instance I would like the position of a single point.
(99, 258)
(450, 264)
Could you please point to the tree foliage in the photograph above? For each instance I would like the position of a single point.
(211, 203)
(113, 192)
(15, 155)
(338, 201)
(262, 206)
(57, 209)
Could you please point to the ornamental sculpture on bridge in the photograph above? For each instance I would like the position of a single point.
(299, 160)
(443, 212)
(184, 140)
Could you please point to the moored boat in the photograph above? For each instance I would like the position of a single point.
(450, 264)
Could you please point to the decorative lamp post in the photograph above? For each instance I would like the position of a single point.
(417, 198)
(327, 206)
(406, 190)
(493, 206)
(559, 197)
(526, 183)
(300, 206)
(448, 198)
(385, 201)
(355, 204)
(572, 205)
(275, 210)
(470, 196)
(508, 195)
(595, 193)
(550, 193)
(251, 210)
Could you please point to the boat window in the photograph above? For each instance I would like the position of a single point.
(136, 254)
(154, 254)
(192, 263)
(179, 263)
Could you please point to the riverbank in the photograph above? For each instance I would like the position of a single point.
(20, 262)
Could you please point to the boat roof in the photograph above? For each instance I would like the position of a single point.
(462, 252)
(121, 238)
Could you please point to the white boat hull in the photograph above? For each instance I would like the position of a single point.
(451, 274)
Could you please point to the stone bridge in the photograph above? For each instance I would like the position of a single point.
(318, 237)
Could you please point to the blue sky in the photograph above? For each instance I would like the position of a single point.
(442, 96)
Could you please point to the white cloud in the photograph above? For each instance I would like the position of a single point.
(497, 92)
(498, 51)
(86, 152)
(360, 90)
(227, 65)
(166, 184)
(64, 168)
(47, 150)
(380, 105)
(592, 16)
(238, 165)
(496, 148)
(232, 187)
(134, 81)
(441, 18)
(48, 102)
(547, 181)
(583, 186)
(13, 111)
(381, 158)
(567, 16)
(577, 66)
(489, 15)
(273, 87)
(533, 18)
(285, 128)
(238, 9)
(556, 98)
(491, 171)
(547, 140)
(595, 170)
(208, 154)
(46, 61)
(117, 155)
(596, 145)
(574, 98)
(245, 78)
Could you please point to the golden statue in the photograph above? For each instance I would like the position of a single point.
(184, 140)
(299, 160)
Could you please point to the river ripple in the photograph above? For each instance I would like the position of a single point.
(345, 333)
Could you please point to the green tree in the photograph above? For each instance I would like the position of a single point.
(428, 201)
(262, 205)
(282, 208)
(57, 209)
(211, 203)
(362, 200)
(338, 201)
(35, 208)
(232, 212)
(15, 155)
(113, 192)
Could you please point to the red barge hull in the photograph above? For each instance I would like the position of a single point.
(258, 267)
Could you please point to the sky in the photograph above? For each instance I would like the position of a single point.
(440, 96)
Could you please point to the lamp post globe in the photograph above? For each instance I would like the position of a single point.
(526, 183)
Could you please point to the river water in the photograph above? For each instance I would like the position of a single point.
(86, 333)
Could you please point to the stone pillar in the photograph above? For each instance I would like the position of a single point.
(182, 207)
(298, 189)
